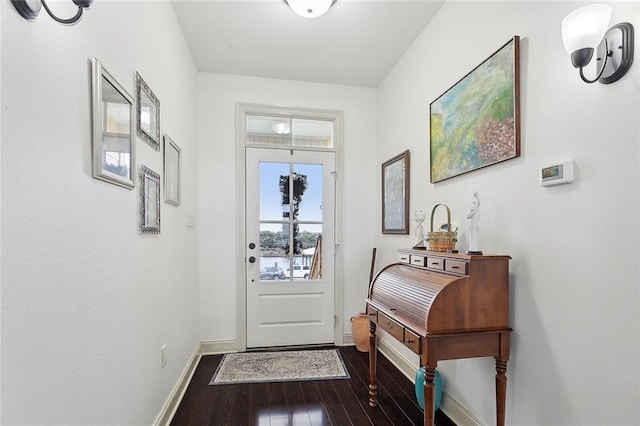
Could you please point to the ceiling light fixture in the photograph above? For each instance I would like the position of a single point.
(585, 28)
(310, 8)
(281, 128)
(29, 9)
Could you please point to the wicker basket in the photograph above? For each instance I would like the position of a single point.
(442, 240)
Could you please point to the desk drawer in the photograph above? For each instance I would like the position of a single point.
(404, 258)
(390, 326)
(435, 263)
(412, 341)
(418, 260)
(456, 266)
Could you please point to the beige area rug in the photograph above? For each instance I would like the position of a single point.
(256, 367)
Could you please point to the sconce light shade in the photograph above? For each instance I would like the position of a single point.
(310, 8)
(585, 29)
(29, 10)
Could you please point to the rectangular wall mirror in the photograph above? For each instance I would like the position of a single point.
(113, 129)
(148, 118)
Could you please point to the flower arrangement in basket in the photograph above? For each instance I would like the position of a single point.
(442, 240)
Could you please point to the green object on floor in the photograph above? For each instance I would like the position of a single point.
(437, 394)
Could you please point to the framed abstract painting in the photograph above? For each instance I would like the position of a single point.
(476, 122)
(395, 194)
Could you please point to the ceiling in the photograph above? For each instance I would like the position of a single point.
(355, 43)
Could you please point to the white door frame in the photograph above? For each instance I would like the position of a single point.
(242, 111)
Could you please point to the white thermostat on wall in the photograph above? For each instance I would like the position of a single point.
(557, 173)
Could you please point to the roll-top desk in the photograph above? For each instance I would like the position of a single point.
(443, 306)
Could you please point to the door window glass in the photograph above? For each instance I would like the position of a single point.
(290, 220)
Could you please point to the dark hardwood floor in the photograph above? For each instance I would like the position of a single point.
(321, 402)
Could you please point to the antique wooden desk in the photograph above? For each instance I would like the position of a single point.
(443, 306)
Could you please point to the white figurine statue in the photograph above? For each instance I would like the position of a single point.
(474, 217)
(419, 216)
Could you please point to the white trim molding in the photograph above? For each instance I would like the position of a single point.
(457, 412)
(337, 116)
(173, 401)
(212, 347)
(203, 348)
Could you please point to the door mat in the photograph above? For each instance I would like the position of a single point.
(257, 367)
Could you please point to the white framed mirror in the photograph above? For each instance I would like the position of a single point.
(113, 112)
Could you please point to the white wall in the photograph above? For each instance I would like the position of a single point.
(86, 301)
(71, 332)
(1, 13)
(217, 98)
(574, 274)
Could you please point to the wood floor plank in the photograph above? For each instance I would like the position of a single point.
(239, 407)
(333, 405)
(316, 408)
(387, 407)
(351, 403)
(303, 403)
(359, 384)
(407, 404)
(298, 410)
(195, 408)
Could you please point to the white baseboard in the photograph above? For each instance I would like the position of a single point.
(203, 348)
(457, 412)
(218, 347)
(347, 340)
(452, 408)
(173, 401)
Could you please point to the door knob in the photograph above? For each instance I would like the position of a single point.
(252, 259)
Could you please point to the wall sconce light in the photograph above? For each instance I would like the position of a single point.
(29, 9)
(585, 28)
(310, 8)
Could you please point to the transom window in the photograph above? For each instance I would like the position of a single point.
(286, 131)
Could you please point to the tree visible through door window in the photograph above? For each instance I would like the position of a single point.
(291, 231)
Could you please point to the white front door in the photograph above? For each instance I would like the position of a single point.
(290, 197)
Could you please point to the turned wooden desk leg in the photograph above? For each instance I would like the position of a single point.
(373, 350)
(429, 394)
(501, 390)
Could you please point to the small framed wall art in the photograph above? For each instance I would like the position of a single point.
(150, 205)
(476, 122)
(148, 116)
(172, 172)
(395, 194)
